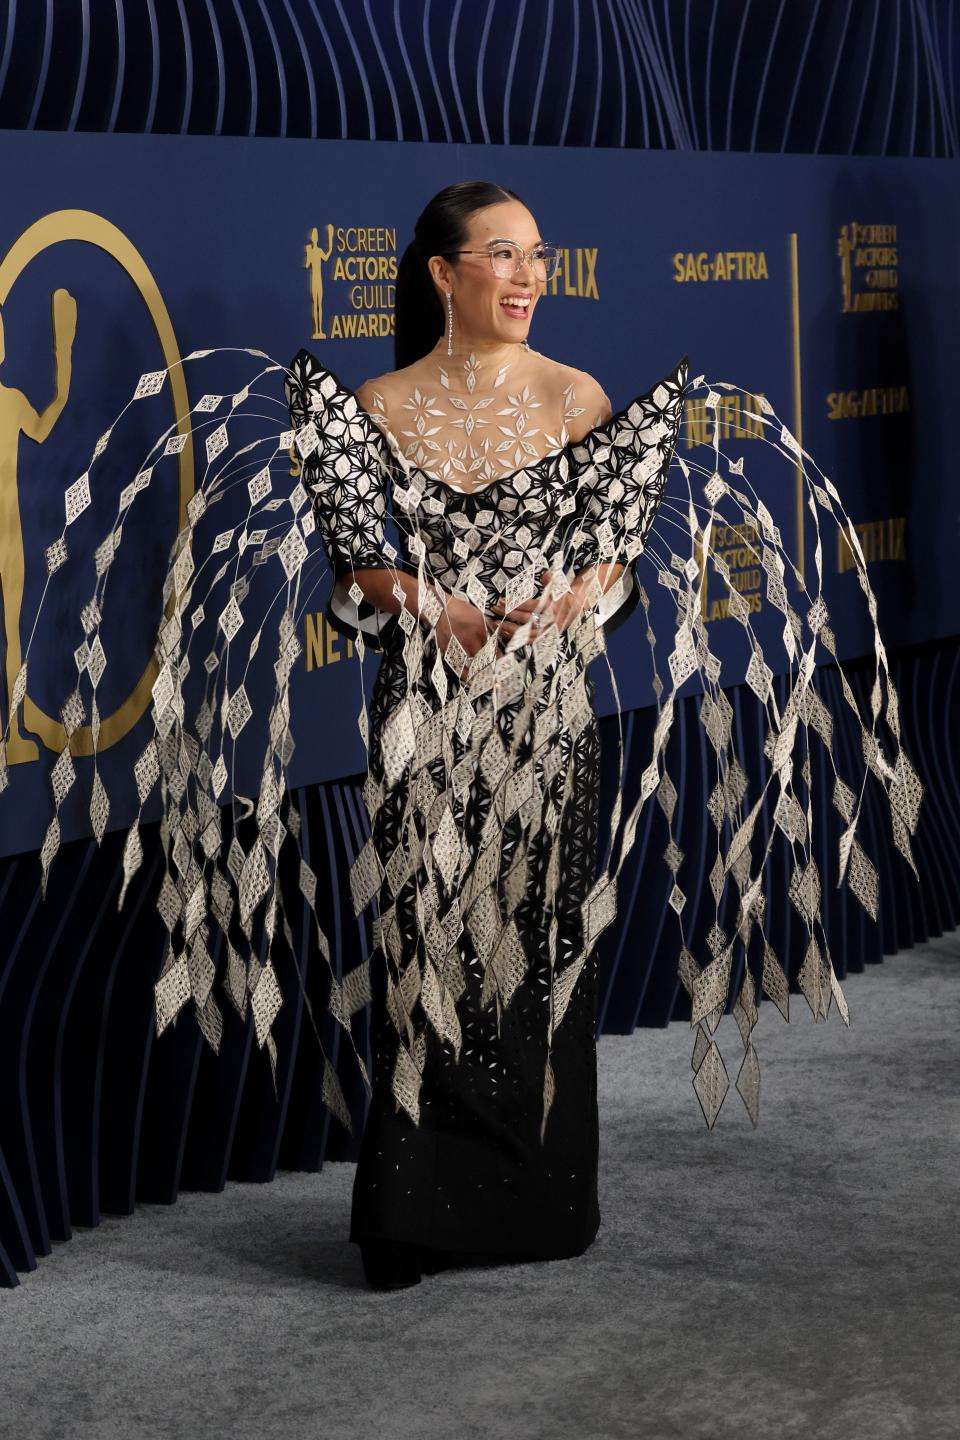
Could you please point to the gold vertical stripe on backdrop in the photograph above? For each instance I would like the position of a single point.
(797, 393)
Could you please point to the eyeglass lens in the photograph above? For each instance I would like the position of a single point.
(507, 258)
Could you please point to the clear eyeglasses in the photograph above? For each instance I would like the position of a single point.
(507, 257)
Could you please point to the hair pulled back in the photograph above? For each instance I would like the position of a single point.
(419, 318)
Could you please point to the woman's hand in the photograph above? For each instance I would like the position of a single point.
(466, 622)
(562, 612)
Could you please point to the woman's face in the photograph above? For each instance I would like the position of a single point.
(487, 306)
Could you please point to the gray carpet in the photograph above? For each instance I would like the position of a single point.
(799, 1280)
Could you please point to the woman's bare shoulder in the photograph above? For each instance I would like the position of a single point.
(371, 393)
(378, 393)
(581, 393)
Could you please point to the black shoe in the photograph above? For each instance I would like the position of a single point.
(433, 1261)
(390, 1264)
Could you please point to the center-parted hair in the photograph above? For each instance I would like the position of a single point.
(419, 316)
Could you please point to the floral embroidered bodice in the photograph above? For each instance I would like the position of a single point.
(467, 421)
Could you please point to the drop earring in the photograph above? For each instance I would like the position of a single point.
(449, 323)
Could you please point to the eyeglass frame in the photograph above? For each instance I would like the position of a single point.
(524, 258)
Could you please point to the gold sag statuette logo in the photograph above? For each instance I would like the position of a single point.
(868, 268)
(365, 271)
(19, 418)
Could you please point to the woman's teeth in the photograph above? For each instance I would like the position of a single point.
(516, 305)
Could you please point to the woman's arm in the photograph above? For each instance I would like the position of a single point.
(606, 576)
(379, 587)
(438, 610)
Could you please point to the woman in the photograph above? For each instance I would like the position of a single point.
(482, 1136)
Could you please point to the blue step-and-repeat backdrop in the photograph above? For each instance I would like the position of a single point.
(827, 285)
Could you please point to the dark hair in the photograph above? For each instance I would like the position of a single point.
(419, 318)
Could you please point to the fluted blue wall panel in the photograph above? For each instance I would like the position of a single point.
(841, 76)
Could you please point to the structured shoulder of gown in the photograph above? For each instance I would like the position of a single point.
(621, 468)
(314, 392)
(344, 454)
(650, 418)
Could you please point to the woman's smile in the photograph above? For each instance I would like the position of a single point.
(517, 305)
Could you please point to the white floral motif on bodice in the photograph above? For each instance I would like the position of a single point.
(480, 433)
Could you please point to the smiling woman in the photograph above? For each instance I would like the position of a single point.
(482, 1136)
(523, 507)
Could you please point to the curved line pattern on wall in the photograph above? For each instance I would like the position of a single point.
(805, 77)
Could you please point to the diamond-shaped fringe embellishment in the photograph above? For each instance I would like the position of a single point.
(235, 981)
(210, 1020)
(76, 498)
(332, 1096)
(599, 910)
(814, 981)
(56, 555)
(549, 1090)
(716, 940)
(863, 880)
(745, 1010)
(687, 969)
(667, 796)
(265, 1002)
(132, 860)
(906, 792)
(748, 1083)
(775, 982)
(901, 838)
(51, 844)
(171, 993)
(99, 808)
(700, 1047)
(365, 875)
(840, 998)
(713, 1019)
(711, 1083)
(405, 1083)
(710, 990)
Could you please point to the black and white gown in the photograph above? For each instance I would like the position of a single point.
(482, 868)
(482, 1134)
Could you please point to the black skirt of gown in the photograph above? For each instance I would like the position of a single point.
(473, 1177)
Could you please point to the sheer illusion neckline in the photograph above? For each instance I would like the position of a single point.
(464, 399)
(508, 475)
(385, 433)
